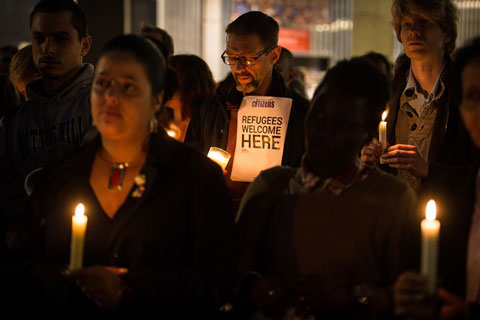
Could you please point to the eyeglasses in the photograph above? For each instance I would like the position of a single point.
(245, 61)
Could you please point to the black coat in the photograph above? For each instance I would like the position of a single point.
(171, 239)
(454, 194)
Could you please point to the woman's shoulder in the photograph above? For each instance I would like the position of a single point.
(180, 155)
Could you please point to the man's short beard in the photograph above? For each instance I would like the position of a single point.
(248, 87)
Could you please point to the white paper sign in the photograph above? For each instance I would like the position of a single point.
(261, 129)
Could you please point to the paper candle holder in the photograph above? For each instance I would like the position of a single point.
(220, 156)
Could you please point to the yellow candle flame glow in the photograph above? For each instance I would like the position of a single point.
(384, 115)
(173, 131)
(79, 210)
(431, 212)
(219, 156)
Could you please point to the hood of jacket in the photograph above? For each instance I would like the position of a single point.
(37, 94)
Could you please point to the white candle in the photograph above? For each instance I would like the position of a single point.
(430, 234)
(220, 156)
(382, 133)
(79, 224)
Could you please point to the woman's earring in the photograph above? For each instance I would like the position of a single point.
(153, 125)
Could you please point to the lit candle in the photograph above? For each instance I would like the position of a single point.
(220, 156)
(173, 131)
(79, 224)
(430, 232)
(382, 133)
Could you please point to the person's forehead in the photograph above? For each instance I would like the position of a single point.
(242, 44)
(122, 64)
(416, 16)
(335, 101)
(53, 22)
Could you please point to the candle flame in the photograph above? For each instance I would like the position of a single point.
(173, 131)
(79, 210)
(431, 210)
(384, 115)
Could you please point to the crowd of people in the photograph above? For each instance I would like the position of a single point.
(332, 232)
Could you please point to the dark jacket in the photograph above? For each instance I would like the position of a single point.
(170, 238)
(43, 129)
(450, 144)
(209, 125)
(454, 193)
(287, 231)
(10, 98)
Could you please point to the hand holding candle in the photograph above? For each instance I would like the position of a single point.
(79, 224)
(382, 133)
(220, 156)
(430, 235)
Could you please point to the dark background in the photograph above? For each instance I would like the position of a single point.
(104, 18)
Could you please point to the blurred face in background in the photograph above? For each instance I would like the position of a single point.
(23, 69)
(470, 107)
(5, 59)
(335, 130)
(284, 67)
(178, 126)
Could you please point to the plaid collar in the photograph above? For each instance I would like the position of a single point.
(336, 185)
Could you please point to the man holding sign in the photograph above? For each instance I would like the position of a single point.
(253, 117)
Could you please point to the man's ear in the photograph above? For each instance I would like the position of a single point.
(86, 43)
(275, 54)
